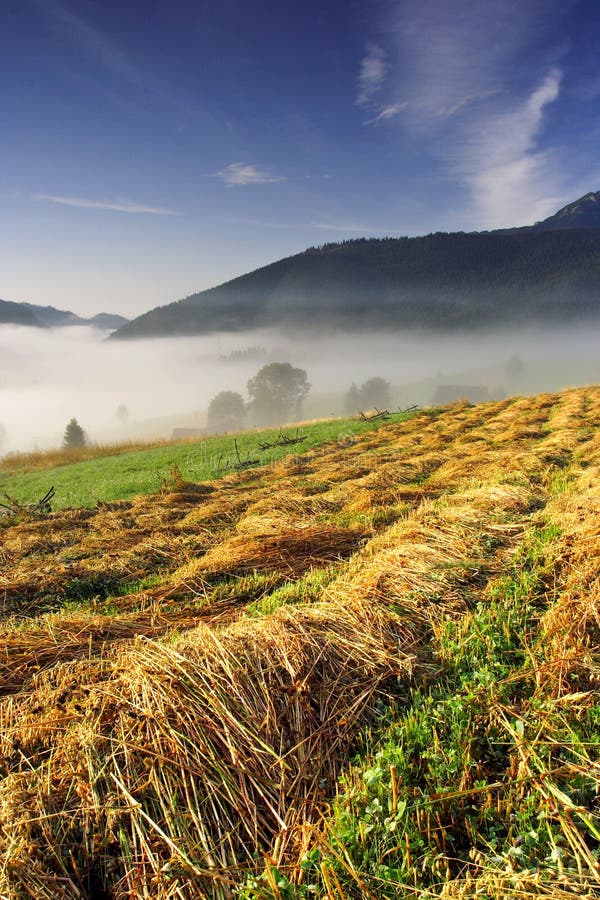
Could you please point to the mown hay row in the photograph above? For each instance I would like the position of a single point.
(246, 726)
(570, 630)
(27, 651)
(291, 552)
(187, 760)
(428, 560)
(165, 770)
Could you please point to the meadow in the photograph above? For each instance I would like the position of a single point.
(82, 477)
(368, 668)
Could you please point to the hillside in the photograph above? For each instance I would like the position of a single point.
(547, 273)
(49, 317)
(18, 314)
(365, 671)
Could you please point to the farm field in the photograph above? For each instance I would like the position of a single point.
(118, 472)
(369, 669)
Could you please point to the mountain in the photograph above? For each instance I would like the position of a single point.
(548, 272)
(18, 314)
(439, 281)
(582, 213)
(50, 317)
(107, 321)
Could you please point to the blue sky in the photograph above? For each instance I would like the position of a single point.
(149, 150)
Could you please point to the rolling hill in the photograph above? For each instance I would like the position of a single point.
(49, 317)
(18, 314)
(549, 272)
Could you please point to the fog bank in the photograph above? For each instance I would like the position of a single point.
(48, 377)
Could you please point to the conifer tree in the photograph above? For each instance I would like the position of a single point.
(74, 436)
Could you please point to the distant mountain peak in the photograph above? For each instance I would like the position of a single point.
(581, 213)
(50, 317)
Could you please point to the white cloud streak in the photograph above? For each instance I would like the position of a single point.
(373, 69)
(105, 205)
(507, 174)
(241, 174)
(388, 112)
(480, 82)
(316, 225)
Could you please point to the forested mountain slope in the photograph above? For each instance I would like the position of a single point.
(437, 281)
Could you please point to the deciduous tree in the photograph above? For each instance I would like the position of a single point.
(352, 400)
(375, 393)
(228, 409)
(277, 393)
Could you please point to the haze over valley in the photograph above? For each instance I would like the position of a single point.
(49, 376)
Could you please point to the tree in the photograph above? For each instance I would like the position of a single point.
(226, 411)
(277, 393)
(122, 414)
(375, 393)
(352, 400)
(513, 368)
(74, 436)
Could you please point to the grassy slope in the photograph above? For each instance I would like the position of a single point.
(121, 476)
(425, 597)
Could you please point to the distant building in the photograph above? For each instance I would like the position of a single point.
(451, 393)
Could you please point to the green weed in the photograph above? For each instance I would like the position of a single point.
(445, 788)
(307, 589)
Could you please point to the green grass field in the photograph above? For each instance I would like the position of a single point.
(120, 477)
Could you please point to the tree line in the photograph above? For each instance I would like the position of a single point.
(276, 395)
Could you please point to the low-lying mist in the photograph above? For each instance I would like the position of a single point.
(48, 377)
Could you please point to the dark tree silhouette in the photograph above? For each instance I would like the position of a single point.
(226, 411)
(352, 400)
(375, 393)
(122, 414)
(74, 436)
(513, 367)
(277, 393)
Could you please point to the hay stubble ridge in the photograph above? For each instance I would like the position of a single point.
(183, 675)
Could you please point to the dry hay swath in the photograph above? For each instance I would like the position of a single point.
(424, 563)
(186, 760)
(291, 552)
(164, 770)
(570, 629)
(288, 508)
(496, 883)
(27, 651)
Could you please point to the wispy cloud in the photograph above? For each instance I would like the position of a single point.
(388, 112)
(317, 225)
(91, 41)
(504, 167)
(461, 102)
(481, 82)
(118, 206)
(134, 83)
(446, 59)
(240, 173)
(373, 68)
